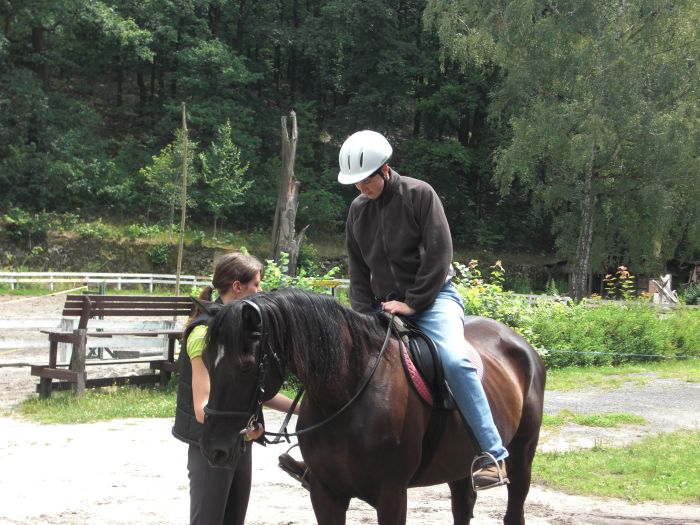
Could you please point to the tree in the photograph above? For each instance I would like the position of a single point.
(222, 173)
(164, 175)
(284, 236)
(601, 104)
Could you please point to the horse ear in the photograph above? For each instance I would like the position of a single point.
(251, 317)
(208, 306)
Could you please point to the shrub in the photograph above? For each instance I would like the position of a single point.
(691, 294)
(93, 230)
(137, 231)
(580, 335)
(488, 299)
(160, 254)
(683, 325)
(276, 277)
(570, 334)
(22, 226)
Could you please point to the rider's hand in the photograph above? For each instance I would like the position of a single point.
(398, 307)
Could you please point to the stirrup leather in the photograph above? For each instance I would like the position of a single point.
(491, 460)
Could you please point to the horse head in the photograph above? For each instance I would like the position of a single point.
(244, 371)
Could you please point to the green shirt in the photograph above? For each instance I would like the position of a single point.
(195, 341)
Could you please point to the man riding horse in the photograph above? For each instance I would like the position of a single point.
(399, 256)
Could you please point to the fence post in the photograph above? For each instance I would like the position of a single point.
(150, 284)
(51, 283)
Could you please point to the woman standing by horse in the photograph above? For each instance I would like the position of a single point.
(217, 495)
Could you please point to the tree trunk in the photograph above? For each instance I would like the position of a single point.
(38, 48)
(120, 84)
(183, 200)
(143, 92)
(283, 229)
(579, 276)
(152, 84)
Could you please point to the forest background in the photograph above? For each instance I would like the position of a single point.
(565, 129)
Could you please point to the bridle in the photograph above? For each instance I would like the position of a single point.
(255, 407)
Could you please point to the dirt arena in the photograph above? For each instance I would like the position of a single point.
(133, 471)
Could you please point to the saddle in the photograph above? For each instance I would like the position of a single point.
(422, 364)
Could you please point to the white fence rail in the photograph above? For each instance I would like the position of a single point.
(119, 279)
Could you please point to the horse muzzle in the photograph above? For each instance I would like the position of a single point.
(223, 455)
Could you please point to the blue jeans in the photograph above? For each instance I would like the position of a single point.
(443, 322)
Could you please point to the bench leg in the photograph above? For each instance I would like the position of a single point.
(45, 387)
(165, 374)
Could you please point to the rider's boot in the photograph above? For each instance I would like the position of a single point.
(297, 469)
(487, 472)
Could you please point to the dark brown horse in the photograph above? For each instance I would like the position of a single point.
(372, 449)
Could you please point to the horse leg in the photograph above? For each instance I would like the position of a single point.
(328, 508)
(391, 507)
(463, 499)
(519, 466)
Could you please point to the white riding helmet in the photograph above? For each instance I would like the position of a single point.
(362, 154)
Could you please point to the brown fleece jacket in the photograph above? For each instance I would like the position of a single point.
(399, 245)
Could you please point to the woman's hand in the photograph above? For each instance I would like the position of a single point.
(251, 434)
(398, 307)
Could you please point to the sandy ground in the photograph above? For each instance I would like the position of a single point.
(133, 471)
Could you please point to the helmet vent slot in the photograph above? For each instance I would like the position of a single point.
(362, 156)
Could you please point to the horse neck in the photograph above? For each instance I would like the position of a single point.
(338, 389)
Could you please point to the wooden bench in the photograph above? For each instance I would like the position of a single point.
(86, 307)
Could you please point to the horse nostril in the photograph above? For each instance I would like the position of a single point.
(218, 456)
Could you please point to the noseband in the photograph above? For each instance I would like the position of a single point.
(255, 407)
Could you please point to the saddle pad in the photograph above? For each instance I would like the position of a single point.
(416, 379)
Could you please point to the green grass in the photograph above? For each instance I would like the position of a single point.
(608, 420)
(665, 469)
(35, 289)
(101, 405)
(574, 378)
(104, 404)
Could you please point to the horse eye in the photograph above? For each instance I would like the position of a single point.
(251, 342)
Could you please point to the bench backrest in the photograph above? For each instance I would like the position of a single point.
(90, 306)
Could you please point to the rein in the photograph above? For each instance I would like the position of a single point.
(283, 429)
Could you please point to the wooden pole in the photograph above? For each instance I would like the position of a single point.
(284, 237)
(183, 200)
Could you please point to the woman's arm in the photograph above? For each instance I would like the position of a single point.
(282, 403)
(200, 387)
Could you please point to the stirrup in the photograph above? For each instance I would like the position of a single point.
(293, 472)
(490, 460)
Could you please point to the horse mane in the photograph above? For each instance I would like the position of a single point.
(324, 343)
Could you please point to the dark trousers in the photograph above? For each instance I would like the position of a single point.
(218, 495)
